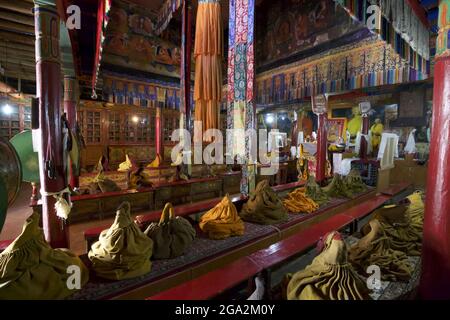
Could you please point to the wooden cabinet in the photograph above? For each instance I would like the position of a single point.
(14, 118)
(116, 129)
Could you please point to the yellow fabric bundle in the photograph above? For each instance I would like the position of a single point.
(397, 227)
(375, 249)
(208, 53)
(415, 211)
(354, 183)
(263, 206)
(126, 165)
(102, 184)
(297, 202)
(337, 188)
(329, 276)
(171, 236)
(30, 269)
(222, 221)
(156, 162)
(123, 251)
(355, 124)
(314, 192)
(376, 130)
(139, 179)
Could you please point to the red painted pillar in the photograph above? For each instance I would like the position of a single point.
(186, 49)
(321, 155)
(159, 132)
(70, 108)
(435, 281)
(364, 143)
(48, 90)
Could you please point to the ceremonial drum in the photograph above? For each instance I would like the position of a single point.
(10, 177)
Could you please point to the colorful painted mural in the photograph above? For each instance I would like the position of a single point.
(368, 63)
(131, 41)
(287, 27)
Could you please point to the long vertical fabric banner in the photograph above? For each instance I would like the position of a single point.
(241, 77)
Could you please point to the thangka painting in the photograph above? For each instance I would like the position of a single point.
(335, 129)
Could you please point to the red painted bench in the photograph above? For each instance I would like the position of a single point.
(212, 283)
(220, 280)
(4, 244)
(208, 286)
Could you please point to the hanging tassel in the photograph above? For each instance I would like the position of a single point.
(62, 206)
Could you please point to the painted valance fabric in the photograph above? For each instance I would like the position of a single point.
(118, 89)
(165, 15)
(400, 26)
(208, 54)
(368, 63)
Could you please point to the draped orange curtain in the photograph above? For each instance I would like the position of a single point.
(208, 53)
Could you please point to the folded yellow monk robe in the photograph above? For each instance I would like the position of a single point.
(222, 221)
(156, 162)
(315, 192)
(337, 188)
(375, 249)
(31, 269)
(398, 228)
(329, 276)
(263, 206)
(123, 251)
(171, 236)
(126, 165)
(102, 184)
(415, 211)
(297, 202)
(354, 183)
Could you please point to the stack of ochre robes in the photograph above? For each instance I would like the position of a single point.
(398, 228)
(375, 248)
(102, 184)
(354, 183)
(329, 276)
(123, 251)
(138, 179)
(222, 221)
(297, 202)
(338, 188)
(264, 206)
(31, 269)
(415, 211)
(315, 192)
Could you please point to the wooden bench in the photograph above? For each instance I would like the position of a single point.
(213, 283)
(4, 244)
(101, 205)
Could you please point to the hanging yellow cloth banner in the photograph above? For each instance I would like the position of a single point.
(208, 53)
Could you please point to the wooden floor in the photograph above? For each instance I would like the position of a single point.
(20, 210)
